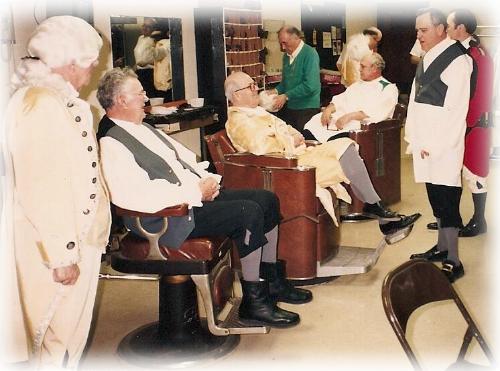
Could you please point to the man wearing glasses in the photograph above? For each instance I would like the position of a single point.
(252, 129)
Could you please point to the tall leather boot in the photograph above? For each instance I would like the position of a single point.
(280, 288)
(257, 307)
(477, 225)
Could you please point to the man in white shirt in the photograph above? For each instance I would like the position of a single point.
(435, 131)
(146, 171)
(372, 99)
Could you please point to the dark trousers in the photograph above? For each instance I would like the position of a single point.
(243, 215)
(445, 203)
(297, 117)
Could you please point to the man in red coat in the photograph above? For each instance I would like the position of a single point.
(461, 26)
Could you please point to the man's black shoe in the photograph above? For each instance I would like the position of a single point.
(452, 270)
(433, 255)
(376, 211)
(432, 226)
(473, 229)
(403, 222)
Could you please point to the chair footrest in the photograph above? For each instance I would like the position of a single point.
(351, 260)
(235, 326)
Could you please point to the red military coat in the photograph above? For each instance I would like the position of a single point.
(478, 138)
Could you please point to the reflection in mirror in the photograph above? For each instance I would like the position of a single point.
(153, 48)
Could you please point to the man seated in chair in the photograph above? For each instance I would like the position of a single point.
(252, 129)
(147, 171)
(371, 99)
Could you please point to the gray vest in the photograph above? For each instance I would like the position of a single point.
(157, 168)
(429, 88)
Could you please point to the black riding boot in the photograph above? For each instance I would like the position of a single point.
(280, 288)
(256, 305)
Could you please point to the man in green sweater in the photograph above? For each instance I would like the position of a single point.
(298, 94)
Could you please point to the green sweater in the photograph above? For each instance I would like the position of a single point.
(300, 80)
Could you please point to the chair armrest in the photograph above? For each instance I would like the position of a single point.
(154, 237)
(178, 210)
(271, 160)
(381, 125)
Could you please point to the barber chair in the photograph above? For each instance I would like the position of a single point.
(199, 269)
(308, 240)
(380, 148)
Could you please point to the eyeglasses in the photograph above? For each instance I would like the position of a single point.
(141, 93)
(251, 86)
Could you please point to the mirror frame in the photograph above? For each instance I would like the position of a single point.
(177, 51)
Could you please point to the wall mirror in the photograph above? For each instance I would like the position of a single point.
(152, 46)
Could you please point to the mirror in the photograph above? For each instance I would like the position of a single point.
(152, 46)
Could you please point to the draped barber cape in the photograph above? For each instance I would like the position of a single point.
(259, 132)
(376, 98)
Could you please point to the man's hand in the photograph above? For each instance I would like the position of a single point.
(67, 275)
(423, 154)
(279, 101)
(342, 121)
(348, 117)
(298, 139)
(326, 114)
(209, 188)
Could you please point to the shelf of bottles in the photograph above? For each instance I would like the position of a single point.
(243, 31)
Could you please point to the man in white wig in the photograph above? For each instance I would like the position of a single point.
(357, 46)
(57, 211)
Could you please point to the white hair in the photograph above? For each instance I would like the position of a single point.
(357, 46)
(57, 41)
(62, 40)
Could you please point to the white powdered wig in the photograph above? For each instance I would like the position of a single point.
(266, 101)
(62, 40)
(357, 46)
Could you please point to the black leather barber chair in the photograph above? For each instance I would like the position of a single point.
(201, 265)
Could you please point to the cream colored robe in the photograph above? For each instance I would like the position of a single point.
(163, 65)
(56, 214)
(259, 132)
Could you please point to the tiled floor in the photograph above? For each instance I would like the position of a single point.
(345, 327)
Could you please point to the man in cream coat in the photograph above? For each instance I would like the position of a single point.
(57, 209)
(435, 130)
(252, 129)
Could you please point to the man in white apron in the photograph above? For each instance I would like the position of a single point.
(435, 130)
